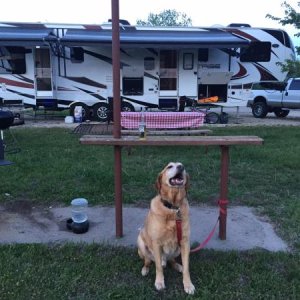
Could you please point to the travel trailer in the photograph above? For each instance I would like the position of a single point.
(64, 66)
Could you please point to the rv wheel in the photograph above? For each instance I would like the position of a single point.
(101, 112)
(127, 107)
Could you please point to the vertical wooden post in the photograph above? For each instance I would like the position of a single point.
(223, 191)
(117, 116)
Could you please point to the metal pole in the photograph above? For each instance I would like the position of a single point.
(223, 191)
(116, 115)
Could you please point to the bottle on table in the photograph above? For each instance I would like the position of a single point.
(142, 126)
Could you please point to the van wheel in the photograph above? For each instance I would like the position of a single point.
(259, 109)
(101, 112)
(85, 110)
(281, 113)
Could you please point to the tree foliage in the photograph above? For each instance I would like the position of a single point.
(168, 17)
(292, 17)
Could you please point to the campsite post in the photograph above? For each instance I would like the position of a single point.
(116, 115)
(223, 191)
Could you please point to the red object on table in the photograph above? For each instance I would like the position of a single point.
(163, 120)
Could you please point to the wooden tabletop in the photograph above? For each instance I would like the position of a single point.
(171, 140)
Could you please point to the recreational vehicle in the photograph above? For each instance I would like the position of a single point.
(64, 66)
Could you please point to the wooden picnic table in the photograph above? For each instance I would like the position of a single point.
(224, 142)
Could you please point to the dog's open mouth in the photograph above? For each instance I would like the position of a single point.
(177, 180)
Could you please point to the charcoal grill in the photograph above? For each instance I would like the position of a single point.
(6, 119)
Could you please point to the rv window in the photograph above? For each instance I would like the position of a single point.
(257, 51)
(133, 86)
(203, 54)
(13, 60)
(277, 34)
(168, 59)
(188, 61)
(77, 54)
(149, 63)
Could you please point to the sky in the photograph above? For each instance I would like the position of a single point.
(202, 13)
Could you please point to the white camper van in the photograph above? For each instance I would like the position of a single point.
(63, 66)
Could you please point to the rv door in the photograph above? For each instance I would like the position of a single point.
(43, 73)
(168, 70)
(188, 64)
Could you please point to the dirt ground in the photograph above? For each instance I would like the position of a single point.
(241, 117)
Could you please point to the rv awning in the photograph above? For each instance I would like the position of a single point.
(25, 37)
(197, 38)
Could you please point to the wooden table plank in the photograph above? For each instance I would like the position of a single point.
(172, 132)
(171, 140)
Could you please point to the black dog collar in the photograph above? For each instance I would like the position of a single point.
(169, 205)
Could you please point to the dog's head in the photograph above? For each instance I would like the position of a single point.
(173, 175)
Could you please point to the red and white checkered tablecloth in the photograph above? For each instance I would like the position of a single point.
(163, 120)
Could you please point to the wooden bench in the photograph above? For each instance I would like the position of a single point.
(224, 142)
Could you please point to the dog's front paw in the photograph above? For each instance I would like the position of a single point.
(160, 285)
(189, 288)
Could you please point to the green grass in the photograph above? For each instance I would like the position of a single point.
(53, 168)
(99, 272)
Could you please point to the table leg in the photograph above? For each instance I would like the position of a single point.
(223, 191)
(118, 191)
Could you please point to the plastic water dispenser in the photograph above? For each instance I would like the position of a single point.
(79, 222)
(79, 206)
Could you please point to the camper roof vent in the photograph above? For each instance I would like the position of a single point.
(238, 25)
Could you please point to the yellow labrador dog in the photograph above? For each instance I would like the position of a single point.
(161, 240)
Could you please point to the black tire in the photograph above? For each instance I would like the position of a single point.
(259, 109)
(281, 113)
(211, 118)
(85, 110)
(101, 112)
(224, 118)
(127, 107)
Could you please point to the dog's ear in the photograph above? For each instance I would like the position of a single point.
(187, 184)
(158, 182)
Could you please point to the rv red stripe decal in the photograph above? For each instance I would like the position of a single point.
(16, 83)
(242, 73)
(242, 34)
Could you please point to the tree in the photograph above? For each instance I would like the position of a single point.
(292, 17)
(168, 17)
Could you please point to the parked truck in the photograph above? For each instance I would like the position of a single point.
(274, 96)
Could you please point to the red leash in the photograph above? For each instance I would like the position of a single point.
(179, 230)
(203, 244)
(200, 246)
